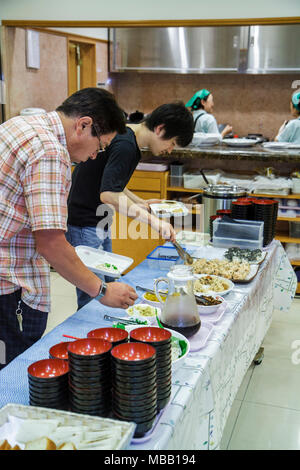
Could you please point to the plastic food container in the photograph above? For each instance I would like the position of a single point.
(163, 257)
(243, 234)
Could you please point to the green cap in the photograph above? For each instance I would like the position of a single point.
(296, 100)
(201, 94)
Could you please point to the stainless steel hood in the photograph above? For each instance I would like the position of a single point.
(222, 49)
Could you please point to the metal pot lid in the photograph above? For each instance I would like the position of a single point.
(223, 190)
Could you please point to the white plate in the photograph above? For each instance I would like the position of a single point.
(133, 313)
(239, 142)
(171, 208)
(208, 292)
(199, 340)
(92, 258)
(276, 145)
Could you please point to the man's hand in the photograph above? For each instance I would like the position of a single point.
(165, 230)
(119, 295)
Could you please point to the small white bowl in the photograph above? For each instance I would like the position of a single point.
(151, 302)
(205, 309)
(132, 312)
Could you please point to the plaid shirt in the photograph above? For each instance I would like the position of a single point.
(35, 178)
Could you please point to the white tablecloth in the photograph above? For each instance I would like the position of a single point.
(205, 386)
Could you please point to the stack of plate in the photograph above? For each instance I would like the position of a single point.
(48, 383)
(160, 339)
(134, 385)
(266, 210)
(113, 335)
(90, 376)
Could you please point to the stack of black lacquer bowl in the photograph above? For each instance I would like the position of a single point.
(90, 376)
(266, 210)
(48, 383)
(134, 389)
(160, 339)
(241, 209)
(113, 335)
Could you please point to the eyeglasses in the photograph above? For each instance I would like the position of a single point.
(101, 146)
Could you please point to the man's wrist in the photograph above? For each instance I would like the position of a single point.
(102, 291)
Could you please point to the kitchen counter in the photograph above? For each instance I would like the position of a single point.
(256, 153)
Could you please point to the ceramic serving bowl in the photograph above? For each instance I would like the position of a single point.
(207, 309)
(149, 299)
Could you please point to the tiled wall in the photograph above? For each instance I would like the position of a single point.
(250, 103)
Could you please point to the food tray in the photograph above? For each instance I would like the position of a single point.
(251, 275)
(199, 340)
(67, 418)
(93, 257)
(257, 262)
(171, 208)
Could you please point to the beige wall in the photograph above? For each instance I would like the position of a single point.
(42, 88)
(250, 103)
(46, 87)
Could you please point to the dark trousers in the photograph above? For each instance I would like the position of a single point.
(18, 335)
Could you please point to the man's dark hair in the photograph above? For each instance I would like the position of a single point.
(98, 104)
(177, 120)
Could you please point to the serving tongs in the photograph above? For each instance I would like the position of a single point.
(188, 259)
(125, 321)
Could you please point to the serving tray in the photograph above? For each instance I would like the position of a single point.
(170, 208)
(93, 258)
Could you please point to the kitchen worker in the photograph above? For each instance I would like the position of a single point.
(202, 105)
(99, 186)
(290, 130)
(35, 177)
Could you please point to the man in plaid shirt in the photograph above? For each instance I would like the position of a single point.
(35, 177)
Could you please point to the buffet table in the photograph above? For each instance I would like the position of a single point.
(205, 386)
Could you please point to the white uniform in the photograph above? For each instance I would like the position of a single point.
(205, 122)
(291, 132)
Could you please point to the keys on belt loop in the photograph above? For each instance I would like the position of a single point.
(19, 316)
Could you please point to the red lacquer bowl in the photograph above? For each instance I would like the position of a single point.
(89, 347)
(113, 335)
(151, 334)
(60, 350)
(48, 368)
(133, 352)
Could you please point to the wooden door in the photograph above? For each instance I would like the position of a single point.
(81, 65)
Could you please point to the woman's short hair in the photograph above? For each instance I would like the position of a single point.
(177, 121)
(100, 105)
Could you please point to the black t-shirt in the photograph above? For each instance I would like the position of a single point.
(110, 171)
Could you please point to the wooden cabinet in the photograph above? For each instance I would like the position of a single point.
(130, 237)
